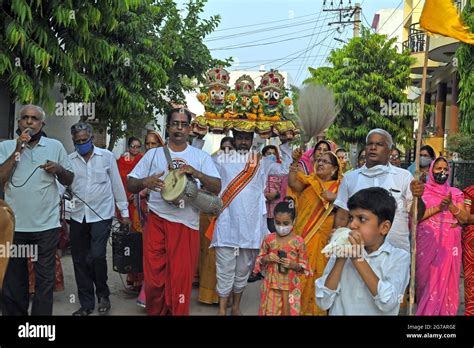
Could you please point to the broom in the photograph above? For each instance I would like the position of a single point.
(317, 110)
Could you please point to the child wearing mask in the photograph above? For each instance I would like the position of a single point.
(282, 259)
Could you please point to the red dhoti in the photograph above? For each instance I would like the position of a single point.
(170, 259)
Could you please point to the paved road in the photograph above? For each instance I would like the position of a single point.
(123, 302)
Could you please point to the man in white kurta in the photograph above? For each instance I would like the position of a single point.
(241, 227)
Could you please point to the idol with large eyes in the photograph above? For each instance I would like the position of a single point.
(271, 97)
(217, 95)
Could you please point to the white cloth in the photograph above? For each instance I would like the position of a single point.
(154, 162)
(97, 182)
(353, 297)
(233, 268)
(243, 224)
(396, 181)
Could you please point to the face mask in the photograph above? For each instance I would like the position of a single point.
(83, 149)
(375, 170)
(34, 137)
(283, 230)
(272, 157)
(440, 178)
(425, 161)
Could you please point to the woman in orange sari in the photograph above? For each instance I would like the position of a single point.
(316, 193)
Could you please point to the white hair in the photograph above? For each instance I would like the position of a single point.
(383, 132)
(39, 109)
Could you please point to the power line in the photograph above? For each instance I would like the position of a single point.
(393, 12)
(289, 61)
(262, 44)
(309, 44)
(367, 22)
(277, 36)
(264, 61)
(404, 20)
(258, 31)
(258, 24)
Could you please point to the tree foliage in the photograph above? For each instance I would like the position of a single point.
(465, 57)
(365, 73)
(128, 57)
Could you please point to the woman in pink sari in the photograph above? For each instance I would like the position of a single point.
(438, 243)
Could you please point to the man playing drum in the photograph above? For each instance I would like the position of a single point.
(171, 238)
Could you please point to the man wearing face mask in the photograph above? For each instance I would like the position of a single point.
(98, 184)
(378, 172)
(29, 168)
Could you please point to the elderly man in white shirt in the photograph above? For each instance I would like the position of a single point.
(97, 186)
(378, 172)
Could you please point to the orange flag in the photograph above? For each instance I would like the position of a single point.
(441, 17)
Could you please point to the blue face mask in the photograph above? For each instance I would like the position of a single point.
(272, 157)
(83, 149)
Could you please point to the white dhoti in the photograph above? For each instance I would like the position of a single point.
(233, 266)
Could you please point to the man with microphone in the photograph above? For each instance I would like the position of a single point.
(29, 167)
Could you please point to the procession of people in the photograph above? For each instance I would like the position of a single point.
(239, 215)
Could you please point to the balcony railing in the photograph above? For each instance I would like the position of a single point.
(416, 39)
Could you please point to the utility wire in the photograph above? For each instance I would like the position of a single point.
(405, 19)
(263, 23)
(309, 44)
(259, 31)
(393, 12)
(278, 36)
(261, 44)
(317, 43)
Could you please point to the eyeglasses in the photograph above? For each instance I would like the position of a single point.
(135, 146)
(394, 157)
(178, 124)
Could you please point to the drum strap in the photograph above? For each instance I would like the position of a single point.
(235, 187)
(168, 157)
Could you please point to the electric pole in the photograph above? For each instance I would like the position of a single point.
(348, 14)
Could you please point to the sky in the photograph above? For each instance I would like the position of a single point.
(297, 36)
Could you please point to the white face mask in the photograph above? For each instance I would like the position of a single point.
(375, 170)
(283, 230)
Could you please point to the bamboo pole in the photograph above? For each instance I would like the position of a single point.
(414, 220)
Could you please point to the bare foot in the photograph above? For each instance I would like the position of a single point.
(236, 311)
(222, 313)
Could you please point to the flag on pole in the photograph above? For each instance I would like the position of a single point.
(441, 17)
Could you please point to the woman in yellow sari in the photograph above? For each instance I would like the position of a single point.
(316, 193)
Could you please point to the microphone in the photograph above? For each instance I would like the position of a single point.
(30, 133)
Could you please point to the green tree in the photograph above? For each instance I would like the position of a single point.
(129, 57)
(465, 57)
(366, 73)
